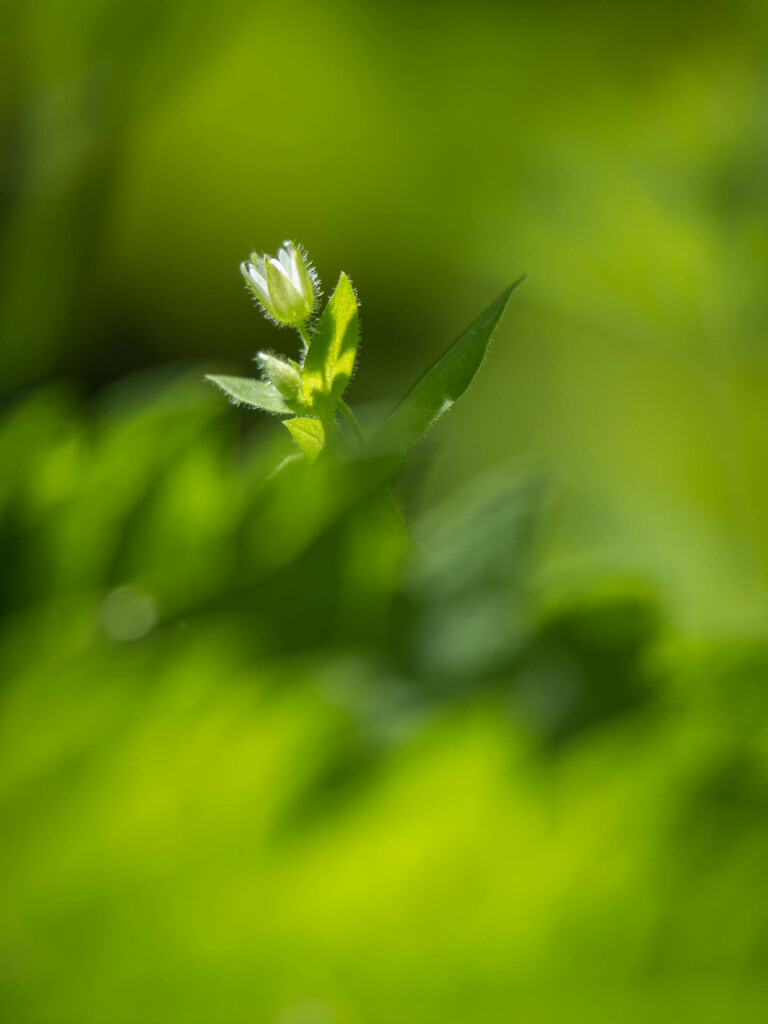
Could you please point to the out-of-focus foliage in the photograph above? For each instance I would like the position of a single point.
(265, 754)
(266, 757)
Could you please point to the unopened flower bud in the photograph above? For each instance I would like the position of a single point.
(286, 286)
(282, 373)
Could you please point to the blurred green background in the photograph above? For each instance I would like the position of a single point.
(265, 757)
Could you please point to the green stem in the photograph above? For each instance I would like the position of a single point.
(399, 522)
(351, 419)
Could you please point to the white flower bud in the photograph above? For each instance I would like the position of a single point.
(286, 286)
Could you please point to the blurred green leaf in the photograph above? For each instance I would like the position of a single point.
(331, 356)
(443, 383)
(308, 433)
(258, 394)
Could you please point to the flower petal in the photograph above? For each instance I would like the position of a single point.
(257, 282)
(286, 254)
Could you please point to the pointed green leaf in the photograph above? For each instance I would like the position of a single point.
(308, 433)
(259, 394)
(331, 355)
(443, 383)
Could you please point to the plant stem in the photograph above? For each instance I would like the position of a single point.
(351, 419)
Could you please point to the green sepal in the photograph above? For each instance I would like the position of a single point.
(288, 306)
(331, 356)
(258, 394)
(309, 435)
(444, 383)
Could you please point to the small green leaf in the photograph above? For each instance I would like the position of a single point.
(309, 435)
(259, 394)
(443, 383)
(331, 355)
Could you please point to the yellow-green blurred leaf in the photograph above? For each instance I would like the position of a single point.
(308, 433)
